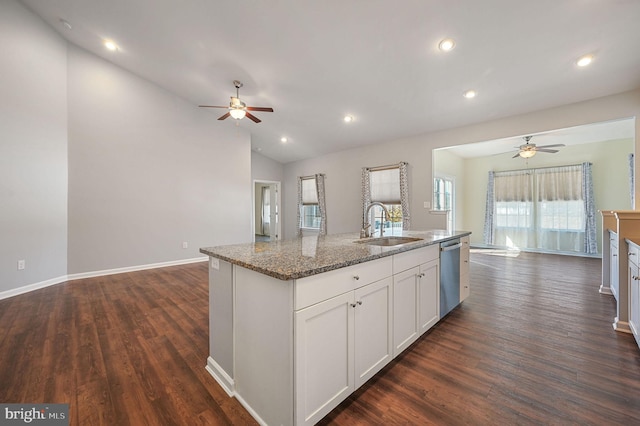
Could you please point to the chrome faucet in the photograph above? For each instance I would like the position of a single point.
(365, 231)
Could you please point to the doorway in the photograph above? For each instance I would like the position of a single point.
(266, 211)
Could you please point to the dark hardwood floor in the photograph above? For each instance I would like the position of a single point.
(533, 344)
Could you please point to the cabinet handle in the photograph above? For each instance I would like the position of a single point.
(615, 255)
(359, 302)
(353, 305)
(421, 275)
(632, 254)
(356, 277)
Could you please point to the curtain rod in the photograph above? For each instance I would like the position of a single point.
(540, 168)
(311, 176)
(387, 167)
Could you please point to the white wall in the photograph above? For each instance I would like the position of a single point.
(343, 168)
(343, 193)
(265, 169)
(148, 171)
(33, 149)
(100, 169)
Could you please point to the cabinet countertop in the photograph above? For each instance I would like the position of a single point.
(310, 255)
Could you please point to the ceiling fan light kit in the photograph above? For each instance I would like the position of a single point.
(237, 108)
(528, 150)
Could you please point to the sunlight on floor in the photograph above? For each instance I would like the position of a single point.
(497, 252)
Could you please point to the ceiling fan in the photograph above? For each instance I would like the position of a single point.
(237, 108)
(528, 150)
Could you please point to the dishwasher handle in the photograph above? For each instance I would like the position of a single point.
(453, 247)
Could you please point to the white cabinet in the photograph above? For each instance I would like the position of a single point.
(340, 343)
(634, 290)
(416, 295)
(405, 307)
(373, 329)
(429, 295)
(465, 282)
(323, 357)
(615, 264)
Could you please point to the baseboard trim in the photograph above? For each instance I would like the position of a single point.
(622, 326)
(32, 287)
(114, 271)
(224, 380)
(605, 290)
(64, 278)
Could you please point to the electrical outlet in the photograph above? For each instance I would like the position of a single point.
(427, 204)
(185, 245)
(21, 264)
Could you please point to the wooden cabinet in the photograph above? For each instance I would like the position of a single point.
(634, 290)
(416, 295)
(615, 264)
(465, 281)
(340, 343)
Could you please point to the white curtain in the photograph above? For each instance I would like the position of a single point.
(550, 209)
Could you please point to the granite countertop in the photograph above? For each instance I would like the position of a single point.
(305, 256)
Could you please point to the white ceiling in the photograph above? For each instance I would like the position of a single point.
(596, 132)
(315, 61)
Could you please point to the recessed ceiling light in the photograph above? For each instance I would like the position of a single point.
(348, 118)
(283, 139)
(447, 45)
(469, 94)
(585, 60)
(110, 45)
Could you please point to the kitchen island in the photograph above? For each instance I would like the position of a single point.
(297, 325)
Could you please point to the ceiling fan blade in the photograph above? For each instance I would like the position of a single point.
(224, 116)
(253, 117)
(263, 109)
(552, 151)
(212, 106)
(516, 156)
(551, 146)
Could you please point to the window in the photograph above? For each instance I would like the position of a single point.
(311, 216)
(541, 209)
(443, 198)
(386, 185)
(311, 209)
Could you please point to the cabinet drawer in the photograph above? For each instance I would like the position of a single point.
(412, 258)
(316, 288)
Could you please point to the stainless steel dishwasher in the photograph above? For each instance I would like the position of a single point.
(449, 275)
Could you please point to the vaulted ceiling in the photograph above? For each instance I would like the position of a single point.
(377, 60)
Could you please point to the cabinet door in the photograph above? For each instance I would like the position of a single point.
(373, 319)
(429, 295)
(465, 288)
(405, 309)
(614, 271)
(324, 357)
(634, 300)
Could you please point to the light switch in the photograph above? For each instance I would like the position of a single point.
(427, 205)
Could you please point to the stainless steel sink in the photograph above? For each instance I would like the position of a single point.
(388, 241)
